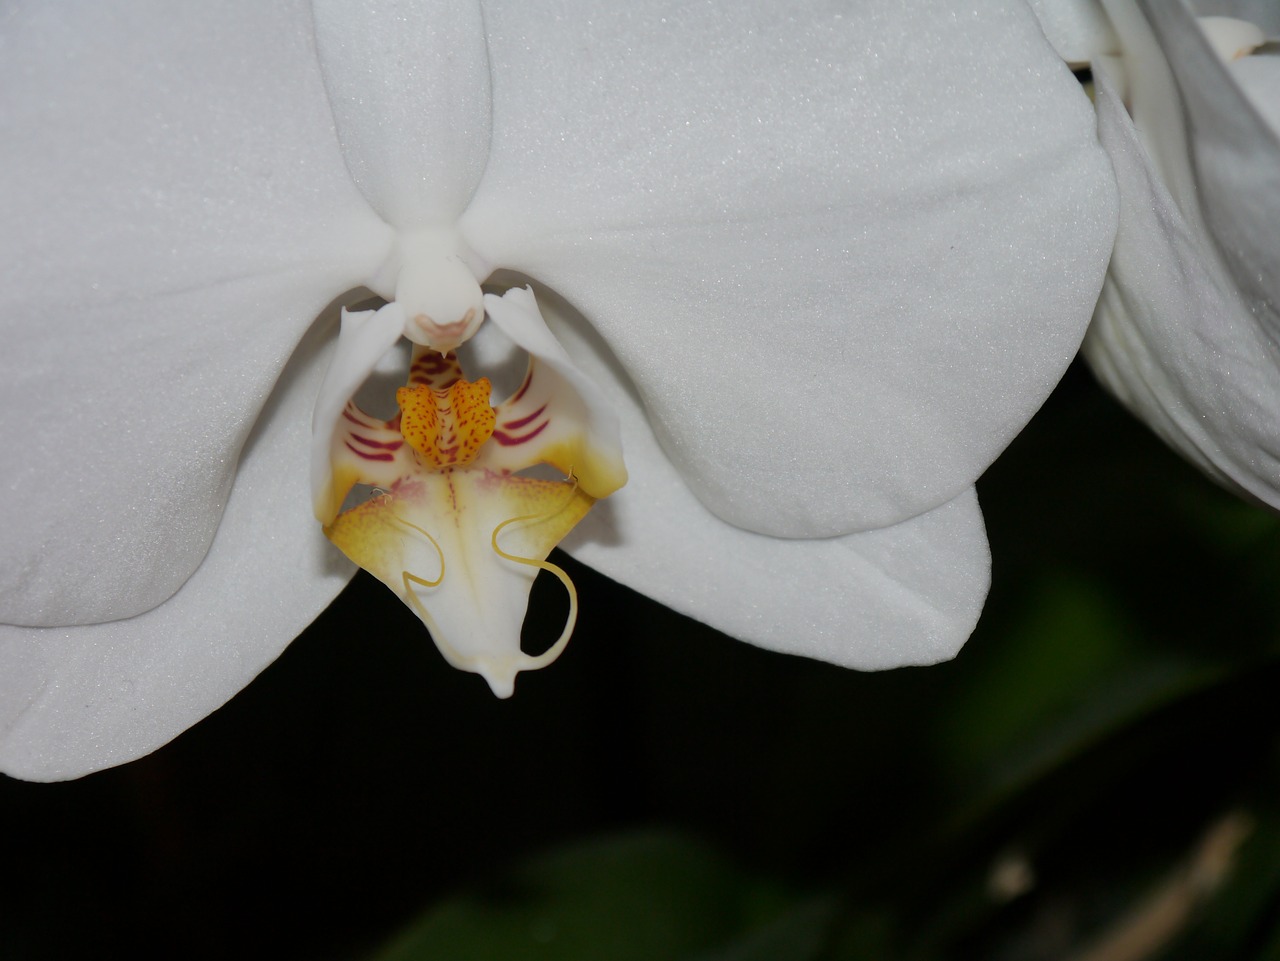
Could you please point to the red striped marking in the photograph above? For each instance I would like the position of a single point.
(366, 456)
(525, 421)
(382, 444)
(435, 371)
(506, 440)
(528, 379)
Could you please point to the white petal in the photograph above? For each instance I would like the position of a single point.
(409, 84)
(859, 246)
(174, 213)
(1172, 336)
(907, 594)
(1235, 152)
(76, 699)
(1078, 29)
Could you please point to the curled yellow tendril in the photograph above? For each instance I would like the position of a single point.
(528, 661)
(571, 621)
(434, 543)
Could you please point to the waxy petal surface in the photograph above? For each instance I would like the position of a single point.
(899, 249)
(906, 594)
(1174, 337)
(909, 594)
(168, 234)
(77, 699)
(1234, 149)
(409, 84)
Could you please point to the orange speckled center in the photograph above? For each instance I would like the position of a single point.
(447, 427)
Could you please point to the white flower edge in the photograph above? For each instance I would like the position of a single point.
(1232, 110)
(908, 594)
(1172, 337)
(77, 699)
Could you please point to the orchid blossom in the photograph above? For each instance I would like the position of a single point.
(1187, 331)
(814, 266)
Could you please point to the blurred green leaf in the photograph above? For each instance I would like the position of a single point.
(1068, 670)
(638, 897)
(799, 935)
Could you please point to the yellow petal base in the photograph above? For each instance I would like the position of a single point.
(462, 548)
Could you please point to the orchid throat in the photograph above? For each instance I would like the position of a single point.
(443, 515)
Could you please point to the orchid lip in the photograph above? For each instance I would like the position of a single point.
(454, 526)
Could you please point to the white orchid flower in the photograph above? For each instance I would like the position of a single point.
(823, 262)
(1187, 331)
